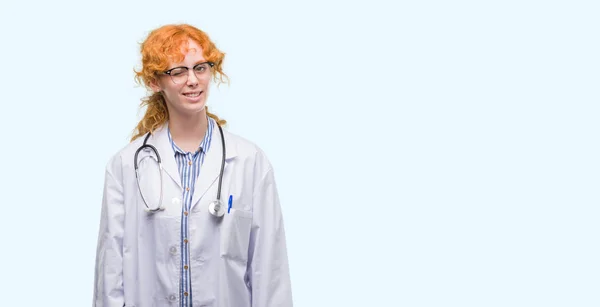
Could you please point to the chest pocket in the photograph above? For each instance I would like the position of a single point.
(235, 235)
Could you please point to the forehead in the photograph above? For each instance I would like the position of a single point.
(189, 52)
(190, 47)
(184, 52)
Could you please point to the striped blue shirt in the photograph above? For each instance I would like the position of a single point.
(189, 165)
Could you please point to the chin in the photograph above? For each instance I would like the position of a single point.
(185, 106)
(193, 106)
(193, 109)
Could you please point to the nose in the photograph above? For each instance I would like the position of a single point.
(192, 78)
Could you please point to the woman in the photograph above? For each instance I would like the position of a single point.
(163, 241)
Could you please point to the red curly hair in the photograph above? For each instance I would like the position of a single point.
(162, 46)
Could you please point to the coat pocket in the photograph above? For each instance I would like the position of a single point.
(235, 235)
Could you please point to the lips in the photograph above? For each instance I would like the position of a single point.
(192, 94)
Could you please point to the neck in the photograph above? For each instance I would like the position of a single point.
(188, 131)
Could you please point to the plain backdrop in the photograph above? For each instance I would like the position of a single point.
(427, 153)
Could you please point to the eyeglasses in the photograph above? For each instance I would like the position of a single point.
(180, 75)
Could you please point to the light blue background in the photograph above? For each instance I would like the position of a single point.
(428, 153)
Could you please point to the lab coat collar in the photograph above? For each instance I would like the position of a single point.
(163, 145)
(211, 167)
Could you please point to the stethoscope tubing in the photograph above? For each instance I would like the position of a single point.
(158, 160)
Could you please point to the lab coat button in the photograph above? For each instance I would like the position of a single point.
(176, 201)
(172, 297)
(173, 250)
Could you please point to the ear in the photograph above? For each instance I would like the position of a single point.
(155, 86)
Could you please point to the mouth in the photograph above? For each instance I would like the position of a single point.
(193, 94)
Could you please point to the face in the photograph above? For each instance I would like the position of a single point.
(185, 91)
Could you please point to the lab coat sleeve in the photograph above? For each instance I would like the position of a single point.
(108, 279)
(269, 276)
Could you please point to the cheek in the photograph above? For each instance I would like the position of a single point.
(171, 91)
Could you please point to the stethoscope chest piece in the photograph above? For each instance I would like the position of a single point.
(216, 209)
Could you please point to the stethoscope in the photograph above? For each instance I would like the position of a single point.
(215, 208)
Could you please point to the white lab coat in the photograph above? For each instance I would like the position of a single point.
(237, 261)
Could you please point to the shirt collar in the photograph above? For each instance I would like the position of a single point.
(204, 145)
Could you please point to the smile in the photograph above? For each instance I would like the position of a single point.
(196, 94)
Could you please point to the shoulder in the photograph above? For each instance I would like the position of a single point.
(247, 150)
(124, 156)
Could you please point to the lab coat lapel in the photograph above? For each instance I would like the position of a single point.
(167, 155)
(211, 168)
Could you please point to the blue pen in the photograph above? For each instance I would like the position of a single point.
(230, 202)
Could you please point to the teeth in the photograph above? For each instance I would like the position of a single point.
(193, 95)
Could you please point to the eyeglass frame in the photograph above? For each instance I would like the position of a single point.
(168, 72)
